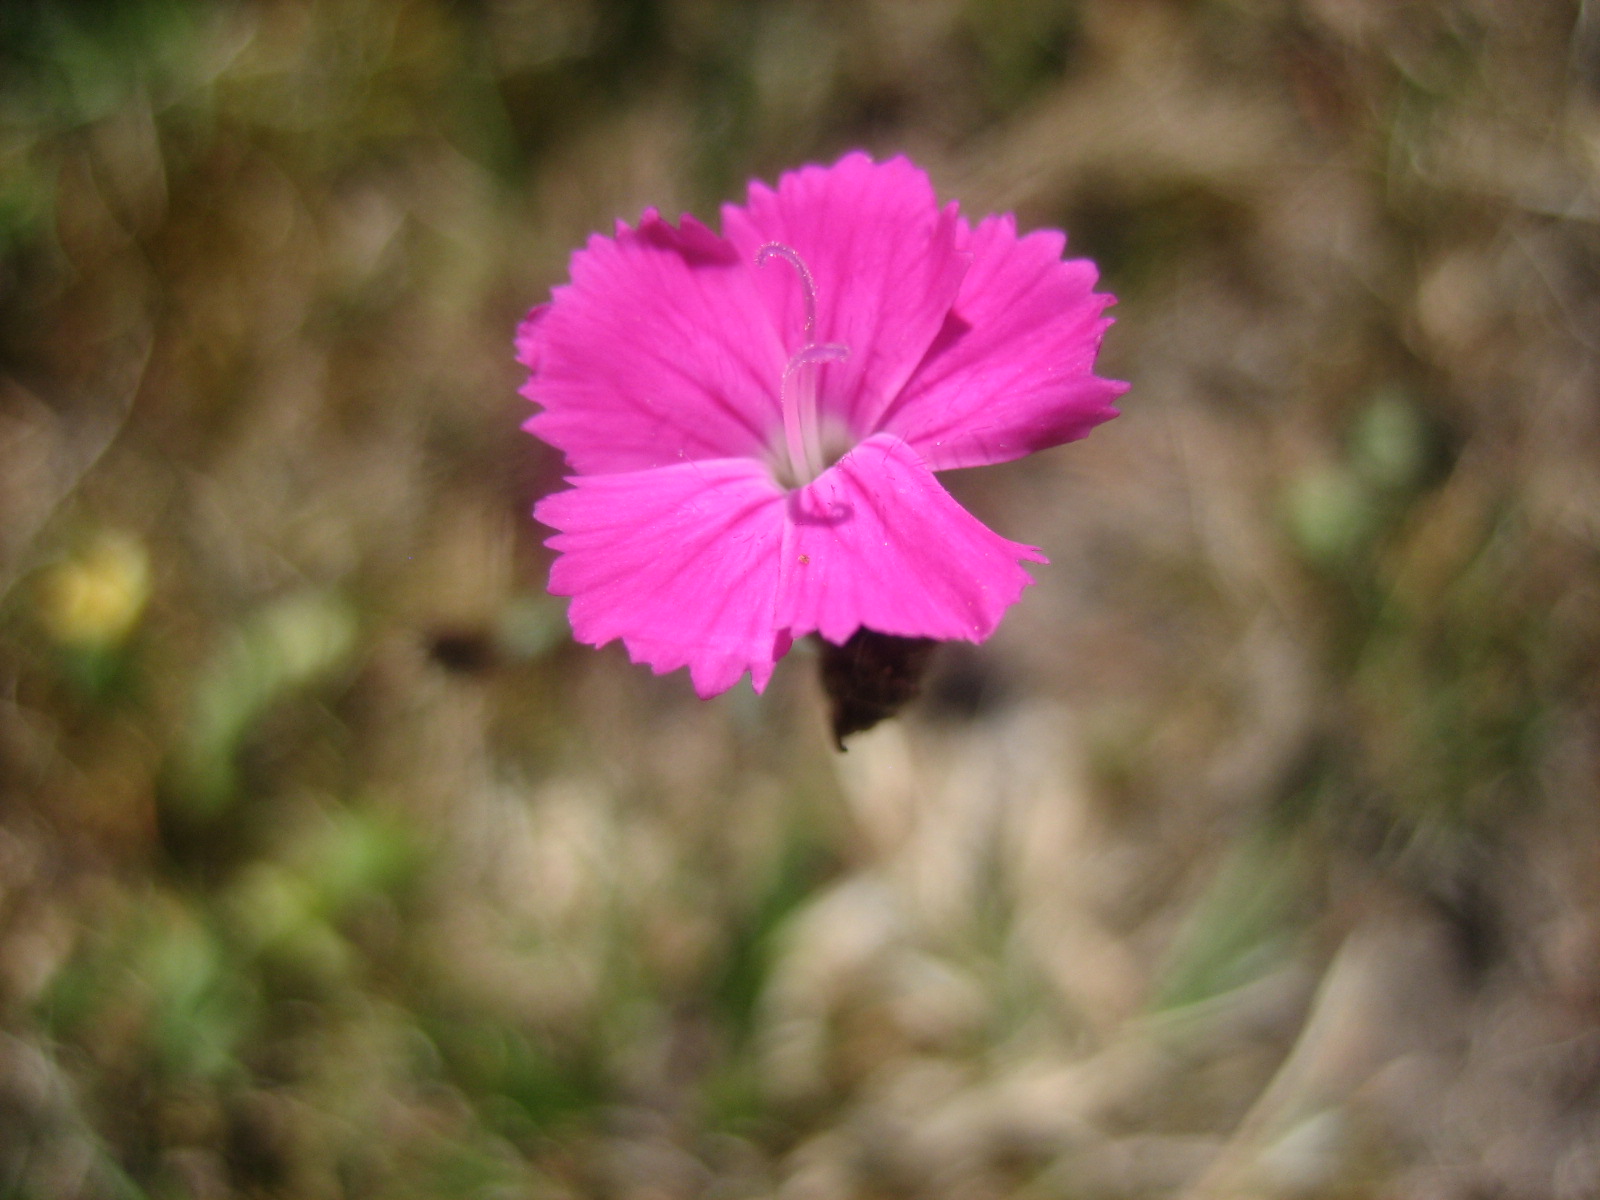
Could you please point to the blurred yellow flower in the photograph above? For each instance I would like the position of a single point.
(95, 598)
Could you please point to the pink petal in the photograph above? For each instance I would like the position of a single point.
(680, 562)
(876, 541)
(1011, 371)
(658, 352)
(528, 341)
(885, 263)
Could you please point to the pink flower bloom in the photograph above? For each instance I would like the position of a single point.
(754, 419)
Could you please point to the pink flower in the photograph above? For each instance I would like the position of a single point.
(754, 419)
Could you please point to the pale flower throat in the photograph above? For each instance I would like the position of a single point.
(802, 434)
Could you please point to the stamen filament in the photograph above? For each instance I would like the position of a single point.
(808, 286)
(802, 434)
(812, 462)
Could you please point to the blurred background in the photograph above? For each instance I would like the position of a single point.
(1257, 856)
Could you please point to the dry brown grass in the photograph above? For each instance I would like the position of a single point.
(1257, 854)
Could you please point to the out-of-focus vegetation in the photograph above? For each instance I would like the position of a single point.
(1258, 856)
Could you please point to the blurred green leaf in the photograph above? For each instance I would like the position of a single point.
(292, 644)
(1240, 928)
(1389, 444)
(1332, 514)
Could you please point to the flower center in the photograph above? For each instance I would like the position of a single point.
(802, 435)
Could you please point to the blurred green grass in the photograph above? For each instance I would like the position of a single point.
(328, 867)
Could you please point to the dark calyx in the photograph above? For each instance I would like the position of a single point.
(871, 677)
